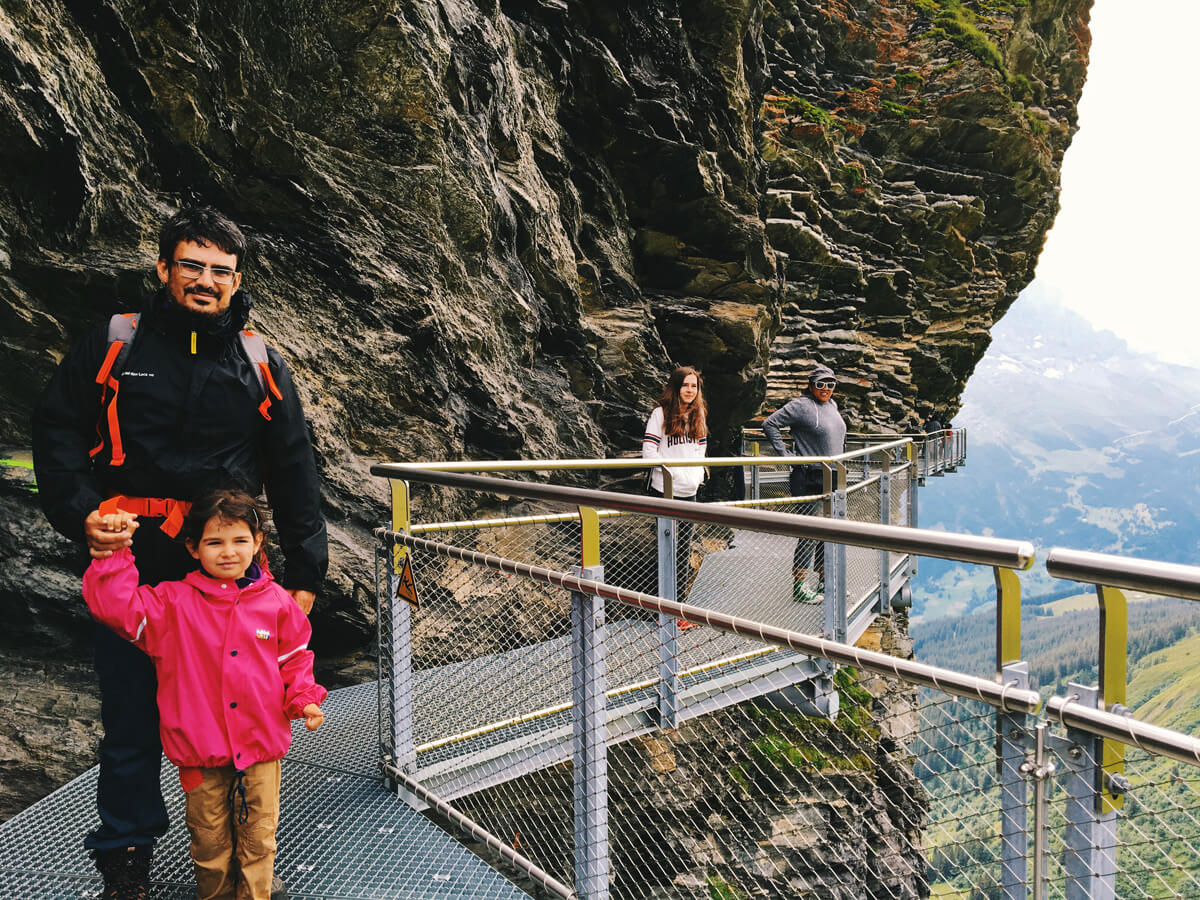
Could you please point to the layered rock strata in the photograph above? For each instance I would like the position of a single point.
(488, 229)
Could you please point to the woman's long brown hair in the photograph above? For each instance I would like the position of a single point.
(691, 423)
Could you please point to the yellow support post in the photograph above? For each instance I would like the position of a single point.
(1114, 632)
(1008, 618)
(400, 519)
(589, 521)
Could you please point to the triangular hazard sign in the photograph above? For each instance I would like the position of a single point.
(405, 588)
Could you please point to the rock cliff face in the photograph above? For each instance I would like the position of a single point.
(912, 155)
(487, 229)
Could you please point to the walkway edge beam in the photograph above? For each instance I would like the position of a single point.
(1126, 729)
(1005, 697)
(1169, 579)
(875, 536)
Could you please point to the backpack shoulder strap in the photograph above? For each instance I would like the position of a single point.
(122, 328)
(255, 349)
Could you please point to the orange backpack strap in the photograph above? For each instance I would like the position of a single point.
(121, 330)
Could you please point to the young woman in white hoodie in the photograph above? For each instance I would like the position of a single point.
(678, 429)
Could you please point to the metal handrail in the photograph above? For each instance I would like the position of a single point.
(1124, 728)
(1169, 579)
(1005, 697)
(537, 465)
(895, 538)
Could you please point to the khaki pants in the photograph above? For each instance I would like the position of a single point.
(234, 860)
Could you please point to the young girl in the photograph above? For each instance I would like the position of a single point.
(678, 429)
(230, 648)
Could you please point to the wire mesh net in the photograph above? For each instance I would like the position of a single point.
(734, 768)
(771, 755)
(1154, 833)
(956, 765)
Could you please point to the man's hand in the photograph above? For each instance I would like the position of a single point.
(313, 717)
(107, 534)
(304, 599)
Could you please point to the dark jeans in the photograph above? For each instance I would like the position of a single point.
(802, 481)
(683, 548)
(128, 797)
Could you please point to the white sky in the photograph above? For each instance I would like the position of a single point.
(1122, 249)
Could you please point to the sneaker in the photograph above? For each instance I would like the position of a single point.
(801, 593)
(126, 872)
(278, 888)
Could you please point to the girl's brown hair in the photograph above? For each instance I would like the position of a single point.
(690, 422)
(229, 506)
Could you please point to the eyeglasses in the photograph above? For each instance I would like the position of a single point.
(823, 385)
(191, 270)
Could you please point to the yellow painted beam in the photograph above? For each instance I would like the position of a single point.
(1008, 617)
(589, 523)
(1114, 637)
(401, 518)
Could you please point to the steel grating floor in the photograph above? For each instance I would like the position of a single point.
(341, 835)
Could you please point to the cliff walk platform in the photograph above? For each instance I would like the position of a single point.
(509, 679)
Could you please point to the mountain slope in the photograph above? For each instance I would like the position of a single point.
(1073, 440)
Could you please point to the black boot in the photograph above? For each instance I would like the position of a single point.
(126, 872)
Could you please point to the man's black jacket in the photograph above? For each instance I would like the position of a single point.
(188, 423)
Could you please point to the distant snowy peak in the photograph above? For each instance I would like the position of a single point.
(1051, 384)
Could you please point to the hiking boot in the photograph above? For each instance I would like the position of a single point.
(278, 888)
(126, 872)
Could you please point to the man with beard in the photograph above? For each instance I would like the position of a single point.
(183, 409)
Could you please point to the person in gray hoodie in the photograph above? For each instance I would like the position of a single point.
(817, 429)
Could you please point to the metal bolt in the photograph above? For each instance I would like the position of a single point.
(1075, 752)
(1118, 784)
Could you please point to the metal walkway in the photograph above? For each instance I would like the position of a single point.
(341, 835)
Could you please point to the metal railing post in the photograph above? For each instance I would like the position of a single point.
(885, 518)
(913, 484)
(403, 749)
(1040, 768)
(1010, 752)
(1014, 791)
(668, 626)
(836, 626)
(1114, 637)
(755, 480)
(1089, 839)
(589, 671)
(1008, 619)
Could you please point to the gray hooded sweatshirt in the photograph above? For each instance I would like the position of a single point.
(817, 428)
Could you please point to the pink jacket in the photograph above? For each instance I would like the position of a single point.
(233, 663)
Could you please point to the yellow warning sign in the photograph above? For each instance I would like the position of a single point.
(405, 588)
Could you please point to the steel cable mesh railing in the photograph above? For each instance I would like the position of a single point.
(1157, 830)
(898, 502)
(862, 563)
(772, 798)
(955, 762)
(758, 790)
